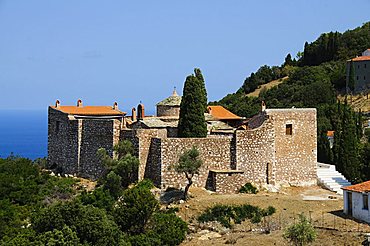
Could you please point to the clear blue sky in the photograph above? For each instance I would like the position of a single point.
(132, 51)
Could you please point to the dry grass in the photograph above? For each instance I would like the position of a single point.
(269, 85)
(358, 102)
(332, 227)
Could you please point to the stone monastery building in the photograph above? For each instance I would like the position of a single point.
(277, 146)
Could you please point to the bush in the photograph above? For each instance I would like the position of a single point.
(225, 214)
(91, 224)
(300, 233)
(146, 184)
(168, 228)
(100, 198)
(134, 209)
(248, 188)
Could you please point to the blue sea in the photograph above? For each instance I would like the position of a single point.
(23, 133)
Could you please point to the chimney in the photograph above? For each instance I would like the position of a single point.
(79, 103)
(57, 104)
(133, 114)
(115, 106)
(140, 111)
(263, 106)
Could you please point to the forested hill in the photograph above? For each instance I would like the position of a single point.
(314, 80)
(320, 67)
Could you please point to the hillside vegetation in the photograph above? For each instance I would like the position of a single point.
(37, 208)
(314, 80)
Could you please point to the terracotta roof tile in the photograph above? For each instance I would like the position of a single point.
(330, 134)
(89, 110)
(360, 58)
(361, 187)
(222, 113)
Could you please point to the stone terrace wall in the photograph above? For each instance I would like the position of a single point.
(255, 153)
(62, 141)
(95, 134)
(227, 182)
(296, 154)
(215, 153)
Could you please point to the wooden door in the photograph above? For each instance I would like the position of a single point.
(349, 203)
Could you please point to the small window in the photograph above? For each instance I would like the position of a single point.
(364, 77)
(365, 200)
(358, 66)
(365, 65)
(357, 77)
(288, 129)
(57, 126)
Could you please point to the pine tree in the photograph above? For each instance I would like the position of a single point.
(192, 108)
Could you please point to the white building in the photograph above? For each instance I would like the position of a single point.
(366, 52)
(356, 201)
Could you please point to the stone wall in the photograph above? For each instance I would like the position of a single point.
(73, 143)
(214, 152)
(163, 110)
(296, 154)
(154, 162)
(226, 181)
(95, 134)
(62, 142)
(255, 153)
(142, 140)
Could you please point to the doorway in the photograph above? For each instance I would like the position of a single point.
(349, 203)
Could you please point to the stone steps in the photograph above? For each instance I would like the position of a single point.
(330, 178)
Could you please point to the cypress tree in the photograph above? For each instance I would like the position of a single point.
(192, 123)
(346, 145)
(288, 60)
(199, 76)
(351, 78)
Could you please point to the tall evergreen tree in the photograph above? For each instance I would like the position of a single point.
(346, 145)
(199, 76)
(288, 60)
(192, 123)
(351, 77)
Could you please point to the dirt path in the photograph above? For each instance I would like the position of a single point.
(325, 212)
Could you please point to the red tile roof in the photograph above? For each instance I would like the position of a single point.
(222, 113)
(330, 134)
(89, 110)
(361, 187)
(360, 58)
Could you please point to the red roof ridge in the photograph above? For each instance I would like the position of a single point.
(360, 58)
(221, 113)
(361, 187)
(89, 110)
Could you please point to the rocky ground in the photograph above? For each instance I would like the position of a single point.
(323, 207)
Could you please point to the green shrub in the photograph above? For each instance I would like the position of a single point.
(134, 209)
(248, 188)
(225, 214)
(300, 233)
(146, 184)
(168, 228)
(91, 224)
(100, 198)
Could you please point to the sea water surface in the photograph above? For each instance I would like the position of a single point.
(23, 133)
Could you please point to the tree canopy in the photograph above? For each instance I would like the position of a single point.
(193, 105)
